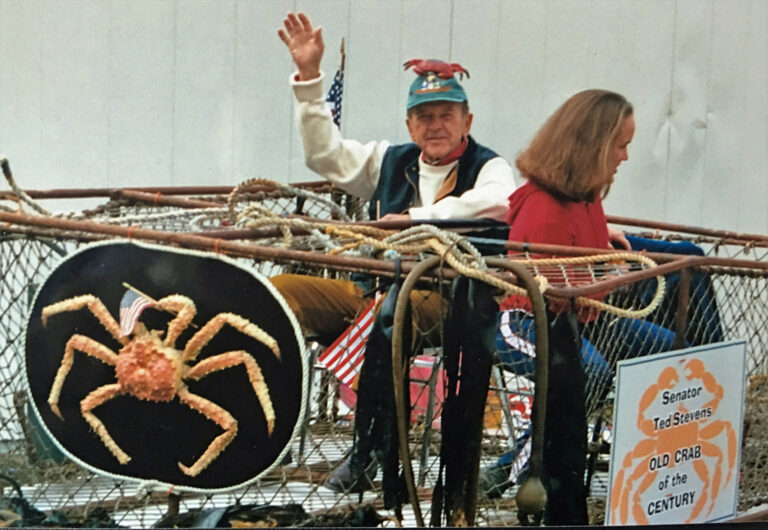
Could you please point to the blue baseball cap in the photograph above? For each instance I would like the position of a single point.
(430, 87)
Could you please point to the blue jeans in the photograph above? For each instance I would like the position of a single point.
(628, 338)
(516, 348)
(704, 325)
(516, 345)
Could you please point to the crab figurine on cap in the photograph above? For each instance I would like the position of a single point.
(435, 82)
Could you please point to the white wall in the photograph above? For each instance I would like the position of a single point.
(108, 93)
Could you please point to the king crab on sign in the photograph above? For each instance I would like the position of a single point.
(150, 368)
(690, 440)
(442, 69)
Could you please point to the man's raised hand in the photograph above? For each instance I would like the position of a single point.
(305, 44)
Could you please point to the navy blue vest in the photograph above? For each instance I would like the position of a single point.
(399, 179)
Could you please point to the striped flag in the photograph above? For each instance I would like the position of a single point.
(131, 306)
(336, 91)
(333, 99)
(344, 357)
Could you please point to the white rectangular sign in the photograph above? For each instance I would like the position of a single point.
(677, 436)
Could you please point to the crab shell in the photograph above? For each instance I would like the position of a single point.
(149, 370)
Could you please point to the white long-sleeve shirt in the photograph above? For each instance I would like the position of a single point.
(355, 167)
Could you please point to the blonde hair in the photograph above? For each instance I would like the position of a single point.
(571, 154)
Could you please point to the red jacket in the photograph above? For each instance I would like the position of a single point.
(537, 216)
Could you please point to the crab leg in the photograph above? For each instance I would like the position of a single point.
(667, 379)
(703, 473)
(622, 488)
(185, 311)
(711, 450)
(213, 326)
(233, 358)
(77, 343)
(698, 371)
(93, 400)
(219, 416)
(719, 427)
(637, 507)
(96, 307)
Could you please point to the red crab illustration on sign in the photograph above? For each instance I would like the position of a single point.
(442, 69)
(150, 368)
(684, 436)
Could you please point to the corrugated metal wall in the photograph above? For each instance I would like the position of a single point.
(171, 92)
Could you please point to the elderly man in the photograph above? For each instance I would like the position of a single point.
(443, 174)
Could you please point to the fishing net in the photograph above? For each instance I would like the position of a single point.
(697, 305)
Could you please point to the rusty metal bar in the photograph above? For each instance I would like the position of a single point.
(539, 248)
(248, 233)
(205, 243)
(655, 256)
(681, 314)
(672, 227)
(44, 233)
(719, 241)
(732, 271)
(665, 268)
(79, 193)
(83, 193)
(158, 199)
(373, 266)
(263, 232)
(510, 245)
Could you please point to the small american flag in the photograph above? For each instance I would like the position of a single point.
(345, 356)
(131, 306)
(333, 99)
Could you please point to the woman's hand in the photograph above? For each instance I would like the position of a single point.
(616, 235)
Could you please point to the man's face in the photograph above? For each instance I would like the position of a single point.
(438, 128)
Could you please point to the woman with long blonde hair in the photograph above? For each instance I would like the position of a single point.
(569, 168)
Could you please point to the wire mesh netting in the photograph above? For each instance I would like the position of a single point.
(720, 301)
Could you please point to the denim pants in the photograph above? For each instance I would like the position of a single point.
(516, 344)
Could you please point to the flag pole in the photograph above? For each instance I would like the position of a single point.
(333, 98)
(145, 295)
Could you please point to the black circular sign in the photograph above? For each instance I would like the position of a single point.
(158, 435)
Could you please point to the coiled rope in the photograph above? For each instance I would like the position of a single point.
(335, 238)
(456, 251)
